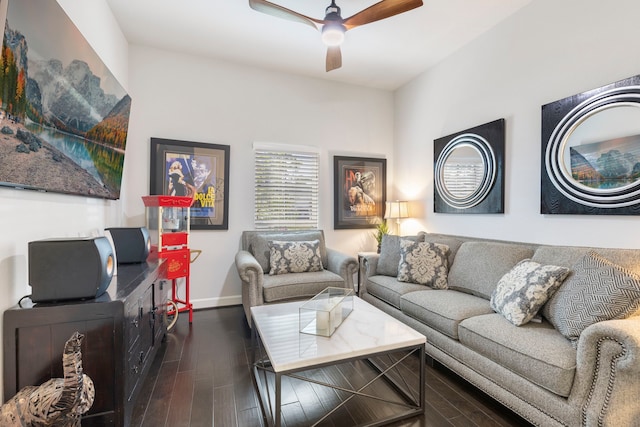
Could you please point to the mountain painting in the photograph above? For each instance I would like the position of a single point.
(64, 118)
(607, 165)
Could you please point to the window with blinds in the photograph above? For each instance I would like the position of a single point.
(286, 187)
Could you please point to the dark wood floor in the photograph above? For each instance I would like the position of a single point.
(201, 377)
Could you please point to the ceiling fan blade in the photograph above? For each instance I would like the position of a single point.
(282, 12)
(381, 10)
(334, 58)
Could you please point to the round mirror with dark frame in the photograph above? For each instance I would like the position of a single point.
(468, 174)
(591, 152)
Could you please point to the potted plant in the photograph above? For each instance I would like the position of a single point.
(381, 230)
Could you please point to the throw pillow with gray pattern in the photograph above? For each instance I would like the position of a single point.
(423, 263)
(390, 253)
(525, 288)
(294, 257)
(598, 290)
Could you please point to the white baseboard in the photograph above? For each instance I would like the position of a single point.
(216, 302)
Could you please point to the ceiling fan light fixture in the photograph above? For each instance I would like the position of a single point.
(333, 26)
(333, 33)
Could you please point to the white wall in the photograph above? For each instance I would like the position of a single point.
(547, 51)
(29, 215)
(189, 98)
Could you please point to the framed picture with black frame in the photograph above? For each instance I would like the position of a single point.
(194, 169)
(360, 191)
(468, 170)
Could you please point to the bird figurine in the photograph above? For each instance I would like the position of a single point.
(58, 402)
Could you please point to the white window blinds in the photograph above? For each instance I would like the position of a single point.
(286, 187)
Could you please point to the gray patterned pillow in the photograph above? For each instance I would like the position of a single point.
(390, 253)
(423, 263)
(525, 288)
(294, 257)
(597, 290)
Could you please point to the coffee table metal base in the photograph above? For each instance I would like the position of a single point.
(273, 410)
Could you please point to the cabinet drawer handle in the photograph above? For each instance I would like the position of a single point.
(141, 356)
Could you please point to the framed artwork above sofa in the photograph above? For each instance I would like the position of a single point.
(469, 170)
(591, 152)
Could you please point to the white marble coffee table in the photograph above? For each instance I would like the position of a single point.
(365, 333)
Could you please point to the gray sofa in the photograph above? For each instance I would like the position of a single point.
(531, 369)
(259, 287)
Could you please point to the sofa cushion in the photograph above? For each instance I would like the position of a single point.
(443, 310)
(478, 266)
(259, 244)
(536, 351)
(423, 263)
(597, 290)
(451, 242)
(564, 256)
(524, 290)
(299, 285)
(390, 253)
(294, 257)
(389, 290)
(567, 256)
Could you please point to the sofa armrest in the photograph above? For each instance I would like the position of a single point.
(343, 265)
(606, 387)
(369, 265)
(252, 277)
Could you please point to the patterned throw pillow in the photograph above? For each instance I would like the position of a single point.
(294, 257)
(390, 253)
(598, 290)
(423, 263)
(525, 288)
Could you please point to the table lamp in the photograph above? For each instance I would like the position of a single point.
(397, 210)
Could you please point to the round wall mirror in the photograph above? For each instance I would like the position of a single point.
(593, 155)
(462, 171)
(465, 171)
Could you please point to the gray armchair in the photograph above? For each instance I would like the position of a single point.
(258, 287)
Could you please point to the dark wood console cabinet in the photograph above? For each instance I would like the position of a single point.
(123, 330)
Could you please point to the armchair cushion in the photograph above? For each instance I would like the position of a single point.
(299, 285)
(294, 257)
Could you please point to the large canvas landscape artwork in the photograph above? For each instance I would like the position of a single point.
(63, 117)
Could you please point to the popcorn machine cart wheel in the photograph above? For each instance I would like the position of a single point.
(168, 222)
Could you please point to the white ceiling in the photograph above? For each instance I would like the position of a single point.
(384, 54)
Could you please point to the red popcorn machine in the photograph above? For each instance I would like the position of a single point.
(168, 222)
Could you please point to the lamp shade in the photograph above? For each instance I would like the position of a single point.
(396, 210)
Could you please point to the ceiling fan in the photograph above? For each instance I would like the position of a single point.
(333, 26)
